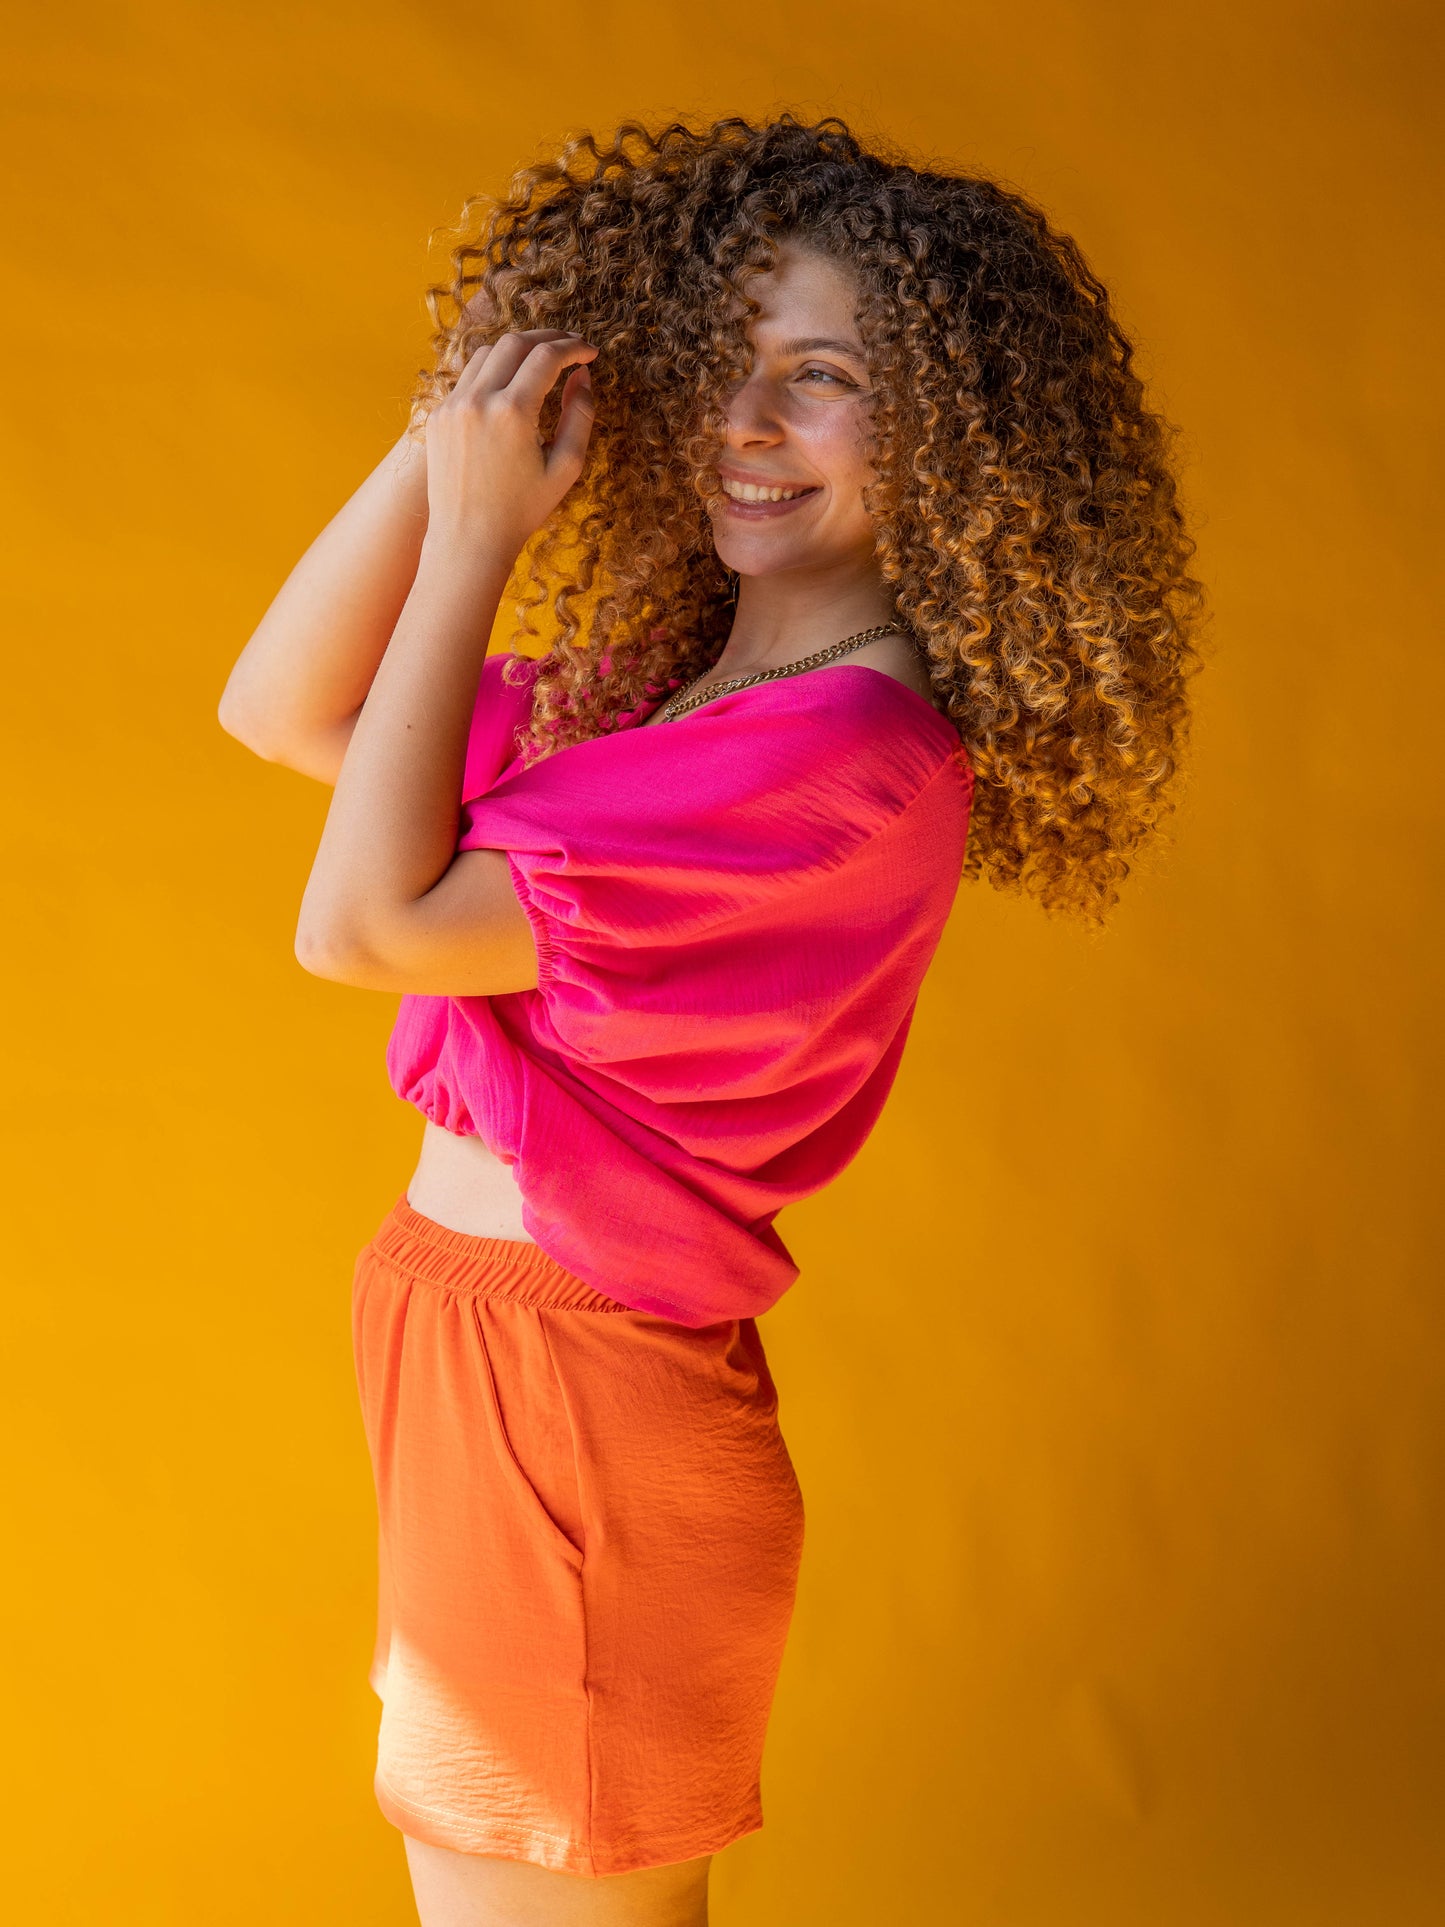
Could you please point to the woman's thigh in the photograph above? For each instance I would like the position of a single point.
(477, 1890)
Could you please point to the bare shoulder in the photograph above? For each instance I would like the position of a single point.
(896, 656)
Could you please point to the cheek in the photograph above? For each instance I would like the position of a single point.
(837, 440)
(836, 444)
(850, 477)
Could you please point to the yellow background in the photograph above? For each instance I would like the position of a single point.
(1114, 1375)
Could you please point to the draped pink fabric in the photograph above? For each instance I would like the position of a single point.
(733, 913)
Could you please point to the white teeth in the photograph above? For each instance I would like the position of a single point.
(753, 492)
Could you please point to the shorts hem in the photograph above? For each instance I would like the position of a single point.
(506, 1840)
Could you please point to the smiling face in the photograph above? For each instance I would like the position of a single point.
(794, 468)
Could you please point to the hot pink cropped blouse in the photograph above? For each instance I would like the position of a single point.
(733, 915)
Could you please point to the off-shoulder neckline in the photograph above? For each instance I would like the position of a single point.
(634, 727)
(824, 669)
(786, 682)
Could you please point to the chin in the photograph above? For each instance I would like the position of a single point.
(743, 558)
(759, 555)
(776, 548)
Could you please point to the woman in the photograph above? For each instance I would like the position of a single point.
(863, 572)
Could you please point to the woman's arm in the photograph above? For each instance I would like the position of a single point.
(297, 687)
(390, 904)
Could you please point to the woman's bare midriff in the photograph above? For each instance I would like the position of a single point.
(459, 1183)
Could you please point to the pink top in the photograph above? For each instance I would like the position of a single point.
(733, 913)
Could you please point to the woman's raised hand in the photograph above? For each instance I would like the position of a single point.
(491, 479)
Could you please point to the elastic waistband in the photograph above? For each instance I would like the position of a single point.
(509, 1268)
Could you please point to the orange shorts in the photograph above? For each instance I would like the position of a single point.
(590, 1532)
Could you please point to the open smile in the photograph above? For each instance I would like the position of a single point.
(760, 501)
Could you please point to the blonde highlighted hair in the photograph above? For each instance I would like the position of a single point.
(1025, 500)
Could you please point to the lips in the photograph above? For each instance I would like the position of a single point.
(763, 491)
(763, 501)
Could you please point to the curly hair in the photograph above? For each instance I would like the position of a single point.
(1026, 509)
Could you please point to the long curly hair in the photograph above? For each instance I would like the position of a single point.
(1026, 508)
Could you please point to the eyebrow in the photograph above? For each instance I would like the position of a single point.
(812, 344)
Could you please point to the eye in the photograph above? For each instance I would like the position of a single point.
(828, 376)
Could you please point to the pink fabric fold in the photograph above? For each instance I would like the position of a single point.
(733, 913)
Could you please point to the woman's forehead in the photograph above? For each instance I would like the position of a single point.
(806, 296)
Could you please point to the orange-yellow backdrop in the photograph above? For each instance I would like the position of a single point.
(1113, 1377)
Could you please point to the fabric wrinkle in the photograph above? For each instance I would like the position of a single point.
(732, 922)
(596, 1706)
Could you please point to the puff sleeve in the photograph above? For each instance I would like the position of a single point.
(733, 914)
(706, 905)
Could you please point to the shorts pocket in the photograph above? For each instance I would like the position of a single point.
(508, 1458)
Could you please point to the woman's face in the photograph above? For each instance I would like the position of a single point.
(797, 426)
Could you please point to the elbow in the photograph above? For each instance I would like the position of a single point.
(232, 715)
(317, 752)
(313, 956)
(332, 946)
(328, 953)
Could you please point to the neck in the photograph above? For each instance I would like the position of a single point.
(782, 618)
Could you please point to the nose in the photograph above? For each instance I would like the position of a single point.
(752, 417)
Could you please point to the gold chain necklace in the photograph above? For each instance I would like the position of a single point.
(680, 703)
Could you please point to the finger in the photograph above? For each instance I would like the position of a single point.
(484, 351)
(493, 364)
(536, 374)
(574, 423)
(472, 368)
(516, 344)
